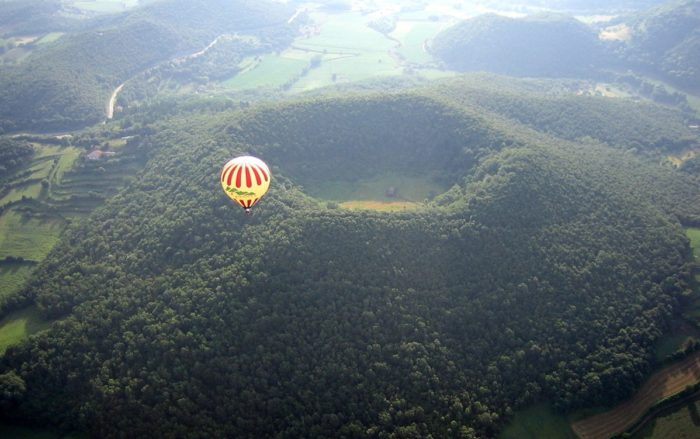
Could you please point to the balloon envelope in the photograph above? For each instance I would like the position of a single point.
(245, 180)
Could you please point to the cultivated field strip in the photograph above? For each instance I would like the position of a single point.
(662, 384)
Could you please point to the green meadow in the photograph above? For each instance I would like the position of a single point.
(272, 71)
(692, 311)
(415, 37)
(538, 422)
(19, 325)
(13, 277)
(50, 37)
(408, 189)
(680, 423)
(29, 238)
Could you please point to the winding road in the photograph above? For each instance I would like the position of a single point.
(113, 99)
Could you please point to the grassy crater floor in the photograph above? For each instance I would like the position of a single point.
(390, 192)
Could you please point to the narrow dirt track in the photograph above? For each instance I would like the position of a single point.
(663, 384)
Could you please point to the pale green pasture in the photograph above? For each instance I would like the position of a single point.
(409, 188)
(348, 69)
(271, 72)
(436, 74)
(694, 236)
(27, 237)
(538, 422)
(345, 33)
(105, 6)
(413, 35)
(13, 277)
(692, 311)
(50, 37)
(19, 325)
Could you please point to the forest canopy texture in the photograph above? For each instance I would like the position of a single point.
(546, 271)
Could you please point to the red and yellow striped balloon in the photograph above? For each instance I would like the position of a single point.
(245, 180)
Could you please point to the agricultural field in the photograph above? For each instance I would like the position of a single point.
(538, 422)
(663, 384)
(49, 162)
(19, 325)
(679, 423)
(342, 47)
(30, 228)
(270, 71)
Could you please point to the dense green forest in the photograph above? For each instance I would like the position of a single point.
(538, 45)
(646, 127)
(547, 271)
(67, 84)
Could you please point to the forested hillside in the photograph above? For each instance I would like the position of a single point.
(666, 41)
(538, 45)
(546, 271)
(646, 127)
(67, 84)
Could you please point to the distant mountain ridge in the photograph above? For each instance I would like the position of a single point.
(68, 84)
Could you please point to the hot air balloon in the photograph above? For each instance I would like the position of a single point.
(245, 180)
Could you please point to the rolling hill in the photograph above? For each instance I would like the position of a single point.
(539, 45)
